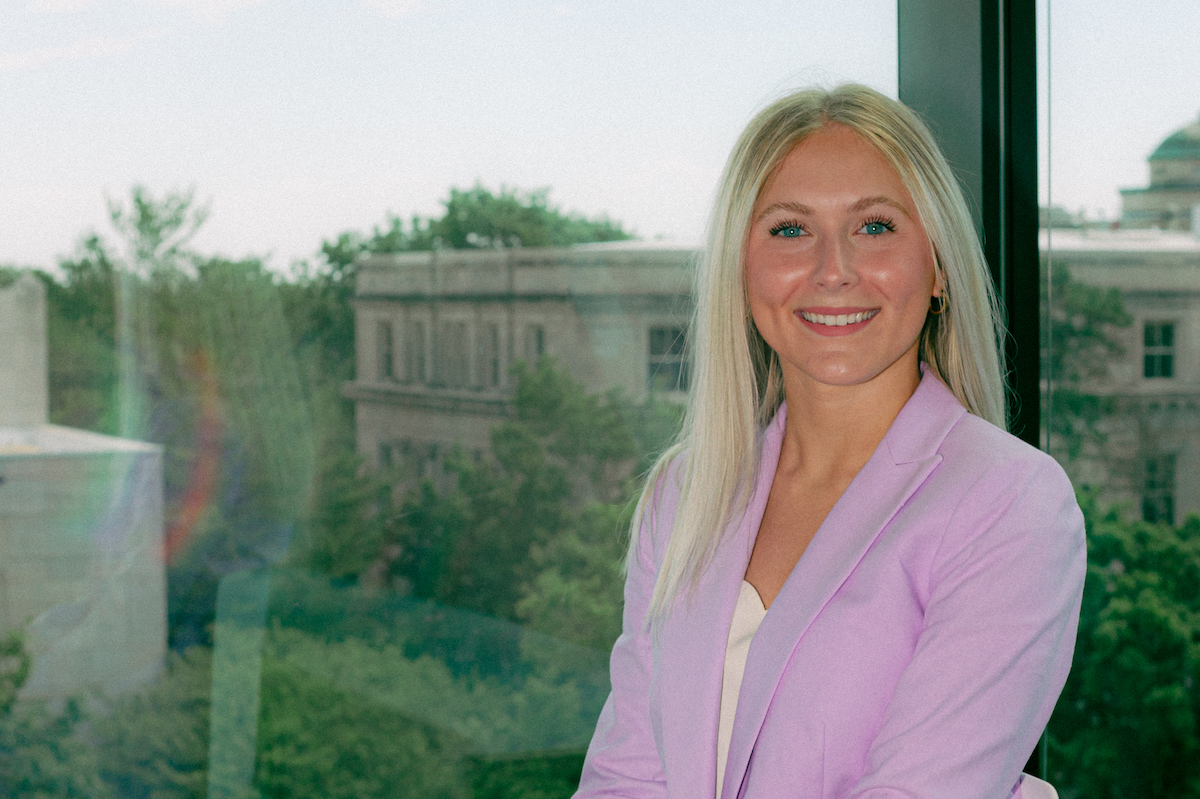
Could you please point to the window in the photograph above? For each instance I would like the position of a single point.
(1123, 409)
(667, 367)
(414, 353)
(384, 343)
(1158, 490)
(535, 343)
(272, 621)
(452, 364)
(487, 356)
(1158, 349)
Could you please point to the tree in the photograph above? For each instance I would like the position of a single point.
(476, 218)
(536, 531)
(81, 332)
(42, 753)
(1083, 320)
(1128, 722)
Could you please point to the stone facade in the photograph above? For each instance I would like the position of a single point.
(438, 333)
(24, 391)
(1150, 461)
(81, 522)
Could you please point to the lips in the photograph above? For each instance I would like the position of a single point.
(837, 320)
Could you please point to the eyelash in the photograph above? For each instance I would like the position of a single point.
(782, 226)
(888, 224)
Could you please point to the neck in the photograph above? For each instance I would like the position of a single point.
(833, 430)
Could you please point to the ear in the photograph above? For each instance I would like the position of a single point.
(939, 281)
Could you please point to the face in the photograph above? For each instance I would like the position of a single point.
(839, 271)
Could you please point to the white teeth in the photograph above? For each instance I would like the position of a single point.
(840, 320)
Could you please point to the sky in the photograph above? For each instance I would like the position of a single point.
(296, 120)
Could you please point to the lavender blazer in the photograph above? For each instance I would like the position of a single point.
(916, 650)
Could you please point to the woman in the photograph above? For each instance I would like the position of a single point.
(898, 577)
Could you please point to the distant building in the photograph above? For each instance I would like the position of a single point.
(81, 566)
(438, 332)
(1150, 460)
(1169, 202)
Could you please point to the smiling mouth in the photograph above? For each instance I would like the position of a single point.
(839, 320)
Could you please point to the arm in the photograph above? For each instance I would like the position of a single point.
(1003, 605)
(623, 759)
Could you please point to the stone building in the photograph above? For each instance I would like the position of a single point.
(437, 334)
(81, 564)
(1150, 460)
(1171, 199)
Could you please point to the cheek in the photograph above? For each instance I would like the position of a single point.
(766, 291)
(906, 280)
(771, 278)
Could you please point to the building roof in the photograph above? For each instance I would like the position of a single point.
(50, 439)
(610, 269)
(1121, 240)
(1182, 145)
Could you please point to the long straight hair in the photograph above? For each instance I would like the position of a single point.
(737, 380)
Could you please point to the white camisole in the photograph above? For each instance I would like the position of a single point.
(748, 613)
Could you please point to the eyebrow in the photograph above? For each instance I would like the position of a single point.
(860, 205)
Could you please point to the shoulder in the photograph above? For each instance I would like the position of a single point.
(1007, 501)
(977, 451)
(971, 450)
(987, 484)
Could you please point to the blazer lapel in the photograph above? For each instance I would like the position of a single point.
(899, 465)
(692, 647)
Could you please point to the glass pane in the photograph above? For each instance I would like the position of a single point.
(312, 482)
(1121, 260)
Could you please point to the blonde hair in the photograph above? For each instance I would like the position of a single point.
(737, 381)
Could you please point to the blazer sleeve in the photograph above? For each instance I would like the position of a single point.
(623, 759)
(1004, 592)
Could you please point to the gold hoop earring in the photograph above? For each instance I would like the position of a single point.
(938, 305)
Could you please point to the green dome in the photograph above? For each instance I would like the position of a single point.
(1182, 145)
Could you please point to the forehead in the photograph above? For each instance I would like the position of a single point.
(835, 160)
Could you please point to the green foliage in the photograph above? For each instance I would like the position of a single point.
(81, 333)
(45, 755)
(157, 230)
(476, 218)
(545, 777)
(536, 532)
(576, 591)
(1083, 320)
(14, 668)
(351, 516)
(42, 753)
(9, 275)
(316, 741)
(1128, 723)
(347, 708)
(237, 374)
(153, 744)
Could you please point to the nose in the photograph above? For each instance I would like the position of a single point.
(835, 265)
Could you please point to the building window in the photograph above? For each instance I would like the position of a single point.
(1158, 354)
(1158, 490)
(535, 342)
(487, 356)
(667, 368)
(414, 354)
(452, 360)
(385, 368)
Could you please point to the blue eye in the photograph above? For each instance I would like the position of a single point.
(877, 226)
(788, 230)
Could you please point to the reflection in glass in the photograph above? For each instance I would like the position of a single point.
(1122, 308)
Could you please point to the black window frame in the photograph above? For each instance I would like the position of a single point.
(1158, 349)
(969, 68)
